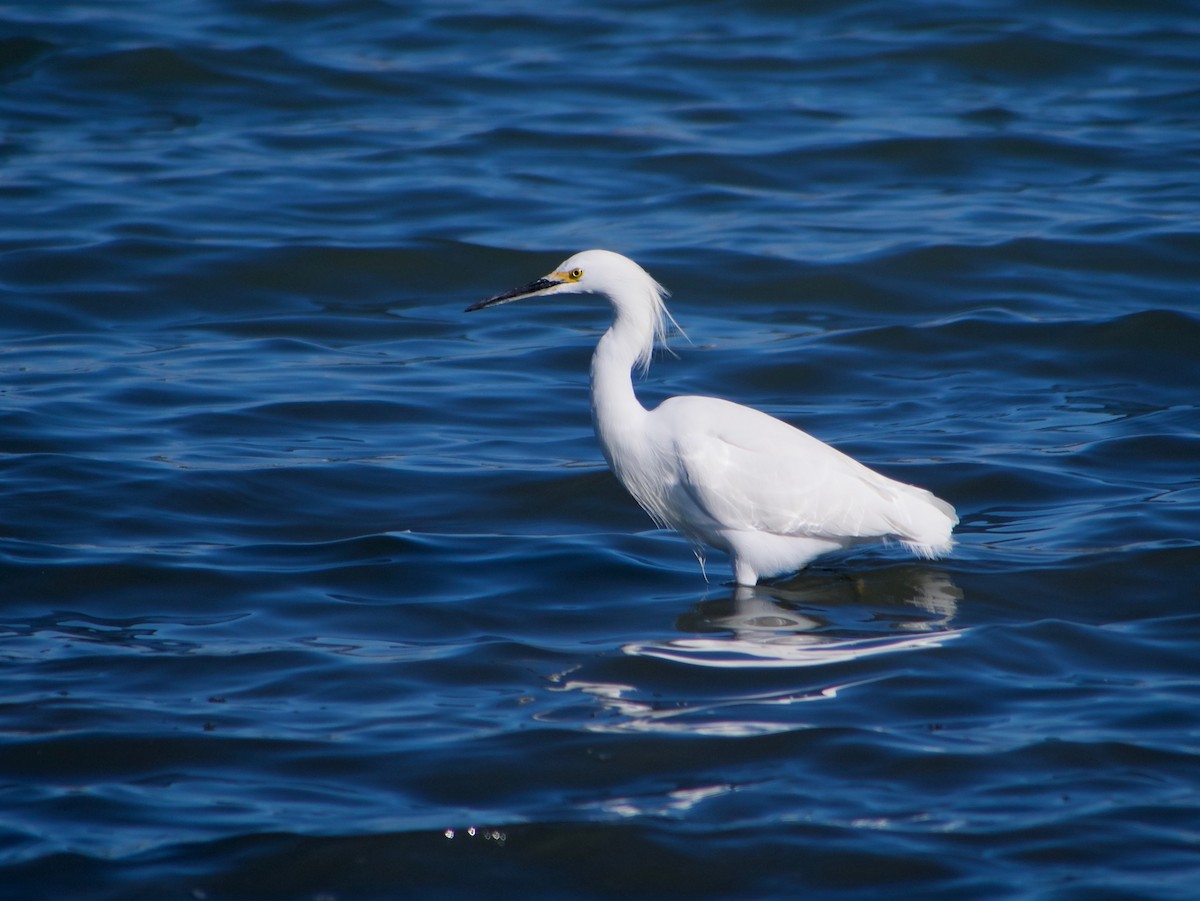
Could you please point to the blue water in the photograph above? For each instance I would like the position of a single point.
(314, 587)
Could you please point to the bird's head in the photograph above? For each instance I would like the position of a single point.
(637, 299)
(587, 272)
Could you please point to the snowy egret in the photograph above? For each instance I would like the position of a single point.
(724, 475)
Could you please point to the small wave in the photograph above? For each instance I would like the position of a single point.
(782, 650)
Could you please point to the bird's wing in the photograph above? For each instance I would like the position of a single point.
(746, 470)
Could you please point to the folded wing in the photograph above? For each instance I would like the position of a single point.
(747, 471)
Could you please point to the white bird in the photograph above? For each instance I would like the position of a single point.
(724, 475)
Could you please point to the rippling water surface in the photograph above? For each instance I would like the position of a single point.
(316, 588)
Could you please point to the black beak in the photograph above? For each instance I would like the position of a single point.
(516, 294)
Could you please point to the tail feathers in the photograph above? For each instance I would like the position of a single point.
(926, 524)
(929, 551)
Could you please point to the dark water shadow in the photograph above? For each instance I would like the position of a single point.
(819, 617)
(751, 661)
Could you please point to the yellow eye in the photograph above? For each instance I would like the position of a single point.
(575, 274)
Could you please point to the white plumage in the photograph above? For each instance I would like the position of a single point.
(724, 475)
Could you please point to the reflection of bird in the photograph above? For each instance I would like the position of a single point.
(721, 474)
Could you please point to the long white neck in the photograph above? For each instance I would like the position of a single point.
(618, 415)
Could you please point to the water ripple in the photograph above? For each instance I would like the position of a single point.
(316, 587)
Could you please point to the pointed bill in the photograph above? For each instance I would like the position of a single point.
(529, 290)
